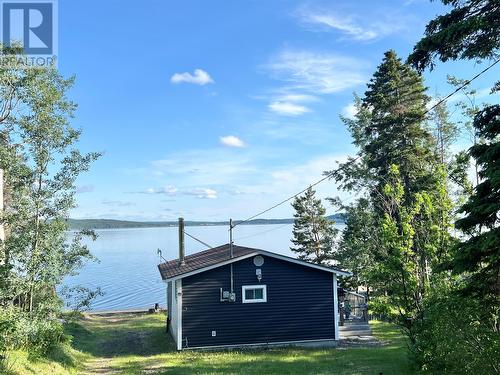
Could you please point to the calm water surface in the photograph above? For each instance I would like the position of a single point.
(127, 270)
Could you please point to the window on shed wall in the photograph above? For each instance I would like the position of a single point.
(254, 293)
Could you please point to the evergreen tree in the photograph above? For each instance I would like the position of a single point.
(445, 132)
(400, 173)
(467, 340)
(479, 256)
(357, 245)
(395, 134)
(470, 30)
(313, 233)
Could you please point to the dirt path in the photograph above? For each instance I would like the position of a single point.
(122, 342)
(99, 366)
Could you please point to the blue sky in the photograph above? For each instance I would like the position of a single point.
(218, 109)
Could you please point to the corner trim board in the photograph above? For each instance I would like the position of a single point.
(335, 308)
(179, 313)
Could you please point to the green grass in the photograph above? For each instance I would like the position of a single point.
(137, 344)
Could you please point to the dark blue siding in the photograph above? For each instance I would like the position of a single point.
(299, 305)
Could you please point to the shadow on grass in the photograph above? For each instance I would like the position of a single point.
(122, 335)
(138, 344)
(287, 361)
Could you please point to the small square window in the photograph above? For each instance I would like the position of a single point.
(258, 293)
(254, 293)
(249, 294)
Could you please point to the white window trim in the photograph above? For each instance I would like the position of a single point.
(260, 286)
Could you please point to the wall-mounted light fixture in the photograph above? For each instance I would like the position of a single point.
(258, 272)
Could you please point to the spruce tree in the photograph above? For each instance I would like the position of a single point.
(357, 245)
(400, 173)
(470, 30)
(460, 332)
(313, 233)
(395, 133)
(478, 257)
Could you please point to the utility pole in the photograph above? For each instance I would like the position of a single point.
(181, 242)
(233, 298)
(231, 237)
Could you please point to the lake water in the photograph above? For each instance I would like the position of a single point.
(127, 270)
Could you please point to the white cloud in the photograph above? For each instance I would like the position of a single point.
(231, 141)
(345, 25)
(174, 191)
(349, 111)
(118, 203)
(297, 98)
(85, 189)
(206, 167)
(317, 72)
(216, 183)
(202, 193)
(167, 190)
(288, 108)
(355, 27)
(200, 77)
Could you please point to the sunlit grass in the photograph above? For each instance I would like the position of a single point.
(138, 344)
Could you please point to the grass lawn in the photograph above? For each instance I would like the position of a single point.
(137, 344)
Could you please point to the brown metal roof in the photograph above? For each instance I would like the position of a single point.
(202, 259)
(220, 254)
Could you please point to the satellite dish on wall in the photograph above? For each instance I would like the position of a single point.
(258, 261)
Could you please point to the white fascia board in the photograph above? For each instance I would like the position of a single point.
(267, 253)
(303, 263)
(229, 261)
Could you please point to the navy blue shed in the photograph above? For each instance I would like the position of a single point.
(255, 297)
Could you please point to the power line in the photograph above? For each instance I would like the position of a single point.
(263, 232)
(467, 82)
(331, 174)
(196, 239)
(327, 176)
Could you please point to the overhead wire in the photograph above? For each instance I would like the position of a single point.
(262, 232)
(333, 173)
(197, 239)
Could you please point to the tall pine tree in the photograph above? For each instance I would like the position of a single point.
(399, 172)
(461, 331)
(479, 256)
(470, 30)
(395, 134)
(313, 233)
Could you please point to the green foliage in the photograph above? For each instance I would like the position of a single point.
(469, 30)
(19, 331)
(457, 336)
(399, 232)
(394, 134)
(41, 165)
(357, 245)
(479, 255)
(460, 331)
(313, 233)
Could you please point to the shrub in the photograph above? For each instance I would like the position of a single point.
(37, 334)
(458, 336)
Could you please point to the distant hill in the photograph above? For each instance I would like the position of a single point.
(78, 224)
